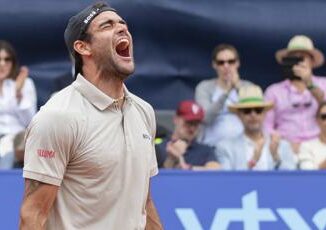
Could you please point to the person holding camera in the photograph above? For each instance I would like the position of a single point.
(296, 99)
(215, 94)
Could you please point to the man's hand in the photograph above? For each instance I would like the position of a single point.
(235, 80)
(273, 147)
(177, 148)
(295, 147)
(322, 165)
(304, 71)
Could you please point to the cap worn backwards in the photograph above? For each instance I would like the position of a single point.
(79, 23)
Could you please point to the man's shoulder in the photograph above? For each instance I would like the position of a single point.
(276, 86)
(230, 143)
(65, 100)
(207, 83)
(60, 107)
(311, 142)
(202, 146)
(141, 103)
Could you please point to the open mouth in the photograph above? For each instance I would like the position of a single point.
(122, 48)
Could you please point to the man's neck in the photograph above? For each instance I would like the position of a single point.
(254, 136)
(108, 83)
(299, 85)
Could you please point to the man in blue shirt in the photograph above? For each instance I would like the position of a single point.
(181, 149)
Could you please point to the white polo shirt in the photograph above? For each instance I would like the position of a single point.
(100, 156)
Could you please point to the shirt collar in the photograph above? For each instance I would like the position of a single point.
(95, 96)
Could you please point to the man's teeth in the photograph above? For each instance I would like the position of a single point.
(123, 43)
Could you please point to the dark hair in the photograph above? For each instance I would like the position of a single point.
(320, 106)
(6, 46)
(222, 47)
(85, 36)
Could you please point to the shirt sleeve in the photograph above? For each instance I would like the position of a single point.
(203, 98)
(49, 144)
(211, 154)
(288, 157)
(153, 160)
(26, 108)
(306, 159)
(223, 157)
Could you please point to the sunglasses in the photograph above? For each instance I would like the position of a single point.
(304, 105)
(222, 62)
(6, 59)
(248, 111)
(322, 116)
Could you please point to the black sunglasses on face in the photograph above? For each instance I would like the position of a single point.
(250, 110)
(229, 61)
(6, 59)
(322, 116)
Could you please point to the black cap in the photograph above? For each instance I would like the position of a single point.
(79, 23)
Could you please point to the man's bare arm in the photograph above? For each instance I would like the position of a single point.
(38, 200)
(153, 221)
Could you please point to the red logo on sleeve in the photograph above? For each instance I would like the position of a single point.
(45, 153)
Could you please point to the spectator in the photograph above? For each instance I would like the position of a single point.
(253, 149)
(215, 94)
(312, 154)
(181, 150)
(17, 101)
(296, 98)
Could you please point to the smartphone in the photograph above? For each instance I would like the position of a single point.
(287, 65)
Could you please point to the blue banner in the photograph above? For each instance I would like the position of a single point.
(215, 200)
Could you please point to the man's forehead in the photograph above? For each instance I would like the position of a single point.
(104, 16)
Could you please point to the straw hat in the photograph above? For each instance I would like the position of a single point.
(250, 96)
(301, 43)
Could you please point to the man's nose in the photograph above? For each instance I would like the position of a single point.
(122, 29)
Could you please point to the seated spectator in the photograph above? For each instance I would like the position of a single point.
(17, 100)
(181, 150)
(215, 94)
(252, 149)
(296, 98)
(312, 154)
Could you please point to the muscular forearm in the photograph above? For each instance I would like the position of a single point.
(31, 218)
(153, 221)
(37, 204)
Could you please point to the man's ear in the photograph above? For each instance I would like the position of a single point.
(82, 48)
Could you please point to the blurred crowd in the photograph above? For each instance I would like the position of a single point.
(233, 125)
(230, 125)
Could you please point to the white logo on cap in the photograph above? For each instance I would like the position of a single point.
(195, 108)
(90, 16)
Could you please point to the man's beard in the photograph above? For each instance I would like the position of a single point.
(108, 67)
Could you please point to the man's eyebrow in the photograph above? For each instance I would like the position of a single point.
(106, 22)
(109, 21)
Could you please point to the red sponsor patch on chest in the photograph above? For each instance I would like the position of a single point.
(45, 153)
